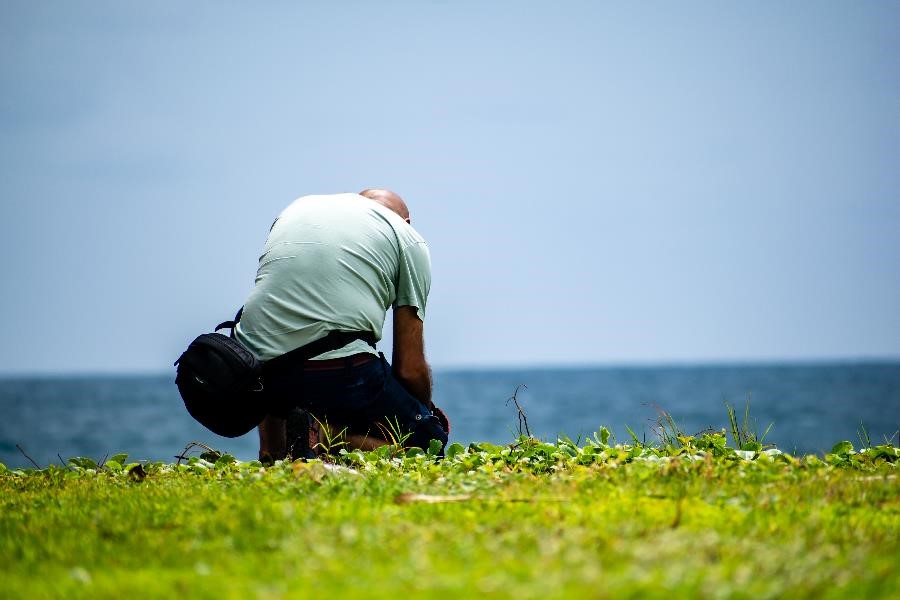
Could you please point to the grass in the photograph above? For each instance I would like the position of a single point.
(744, 433)
(531, 519)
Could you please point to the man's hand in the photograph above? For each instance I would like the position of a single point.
(408, 362)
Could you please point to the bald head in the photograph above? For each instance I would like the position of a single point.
(388, 199)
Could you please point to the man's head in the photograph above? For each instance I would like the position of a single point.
(388, 199)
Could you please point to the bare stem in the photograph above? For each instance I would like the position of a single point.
(523, 420)
(63, 463)
(184, 456)
(25, 454)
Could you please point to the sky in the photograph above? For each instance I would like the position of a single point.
(599, 182)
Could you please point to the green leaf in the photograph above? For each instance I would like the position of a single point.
(356, 457)
(485, 447)
(752, 446)
(604, 436)
(568, 450)
(844, 447)
(225, 460)
(112, 465)
(83, 462)
(119, 458)
(434, 447)
(455, 449)
(889, 453)
(836, 459)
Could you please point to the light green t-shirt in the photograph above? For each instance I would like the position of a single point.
(334, 262)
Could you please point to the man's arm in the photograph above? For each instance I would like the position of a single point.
(408, 363)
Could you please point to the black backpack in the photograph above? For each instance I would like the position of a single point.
(222, 382)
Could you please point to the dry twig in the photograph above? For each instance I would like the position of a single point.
(523, 420)
(184, 456)
(25, 454)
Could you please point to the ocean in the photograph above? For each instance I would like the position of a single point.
(810, 407)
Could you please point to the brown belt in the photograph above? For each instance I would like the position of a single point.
(333, 364)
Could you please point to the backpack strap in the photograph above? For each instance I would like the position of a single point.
(332, 341)
(231, 324)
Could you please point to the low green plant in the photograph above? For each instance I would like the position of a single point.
(863, 435)
(396, 435)
(666, 429)
(330, 440)
(529, 519)
(745, 433)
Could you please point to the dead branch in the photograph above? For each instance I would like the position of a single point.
(523, 420)
(191, 445)
(31, 460)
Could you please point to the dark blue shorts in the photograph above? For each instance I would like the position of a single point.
(356, 397)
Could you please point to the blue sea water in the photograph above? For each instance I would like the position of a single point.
(811, 406)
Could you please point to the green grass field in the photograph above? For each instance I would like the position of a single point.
(690, 517)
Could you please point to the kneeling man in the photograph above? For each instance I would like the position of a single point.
(337, 263)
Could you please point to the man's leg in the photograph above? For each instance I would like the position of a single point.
(351, 440)
(364, 398)
(414, 418)
(358, 441)
(398, 413)
(272, 439)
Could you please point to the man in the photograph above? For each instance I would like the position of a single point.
(336, 263)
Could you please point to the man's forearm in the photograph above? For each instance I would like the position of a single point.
(410, 366)
(418, 384)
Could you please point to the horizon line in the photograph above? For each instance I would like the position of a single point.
(522, 366)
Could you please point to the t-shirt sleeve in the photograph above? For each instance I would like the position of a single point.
(414, 279)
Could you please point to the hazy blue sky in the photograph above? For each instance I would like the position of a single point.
(598, 182)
